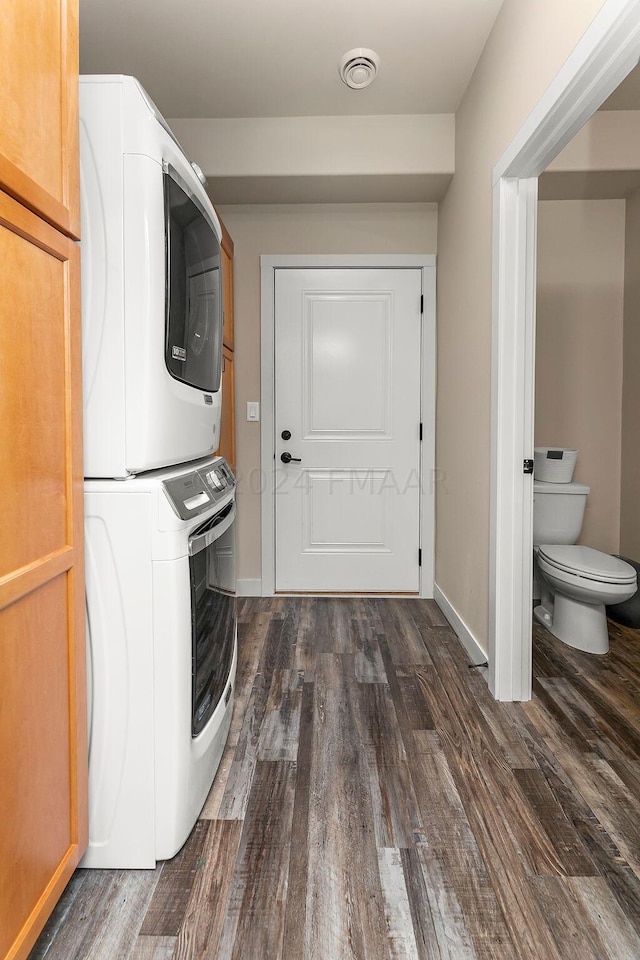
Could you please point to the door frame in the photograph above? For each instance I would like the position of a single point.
(606, 53)
(428, 475)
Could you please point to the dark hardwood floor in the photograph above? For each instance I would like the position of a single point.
(375, 803)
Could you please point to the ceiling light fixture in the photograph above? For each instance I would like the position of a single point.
(358, 67)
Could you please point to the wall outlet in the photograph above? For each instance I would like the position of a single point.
(253, 410)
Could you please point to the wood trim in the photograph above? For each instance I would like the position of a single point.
(227, 242)
(79, 749)
(227, 447)
(76, 578)
(22, 581)
(227, 293)
(19, 219)
(44, 906)
(22, 188)
(69, 94)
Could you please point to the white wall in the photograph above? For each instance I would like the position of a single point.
(320, 146)
(527, 46)
(600, 162)
(630, 493)
(288, 229)
(579, 329)
(405, 158)
(610, 140)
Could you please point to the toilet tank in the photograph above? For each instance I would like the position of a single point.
(558, 511)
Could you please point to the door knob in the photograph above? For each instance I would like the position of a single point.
(286, 434)
(287, 458)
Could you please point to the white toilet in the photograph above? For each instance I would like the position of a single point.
(575, 582)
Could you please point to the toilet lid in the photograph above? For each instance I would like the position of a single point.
(587, 562)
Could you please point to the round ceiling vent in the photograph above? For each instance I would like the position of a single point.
(358, 68)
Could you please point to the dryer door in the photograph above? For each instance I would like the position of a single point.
(193, 344)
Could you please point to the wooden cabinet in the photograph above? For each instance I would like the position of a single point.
(39, 108)
(227, 281)
(227, 447)
(43, 743)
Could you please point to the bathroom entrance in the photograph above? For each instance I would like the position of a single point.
(606, 54)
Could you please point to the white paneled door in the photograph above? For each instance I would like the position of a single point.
(347, 413)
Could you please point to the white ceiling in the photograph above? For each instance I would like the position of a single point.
(269, 58)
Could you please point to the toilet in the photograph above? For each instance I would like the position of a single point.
(575, 582)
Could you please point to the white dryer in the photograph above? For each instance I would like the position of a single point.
(152, 295)
(161, 639)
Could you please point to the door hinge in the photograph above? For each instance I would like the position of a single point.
(527, 466)
(422, 303)
(419, 556)
(420, 432)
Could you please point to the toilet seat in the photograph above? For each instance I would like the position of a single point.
(587, 563)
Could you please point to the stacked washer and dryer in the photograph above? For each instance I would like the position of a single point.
(159, 506)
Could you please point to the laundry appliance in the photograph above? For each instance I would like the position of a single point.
(161, 629)
(152, 300)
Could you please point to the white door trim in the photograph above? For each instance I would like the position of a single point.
(268, 265)
(608, 50)
(511, 545)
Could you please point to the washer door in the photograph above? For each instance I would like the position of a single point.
(212, 572)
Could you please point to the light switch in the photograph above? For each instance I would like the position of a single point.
(253, 410)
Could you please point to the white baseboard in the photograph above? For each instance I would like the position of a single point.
(460, 628)
(249, 588)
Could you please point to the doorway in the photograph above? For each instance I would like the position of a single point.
(348, 361)
(607, 52)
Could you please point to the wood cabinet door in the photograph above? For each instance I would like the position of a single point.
(39, 162)
(43, 748)
(227, 448)
(227, 287)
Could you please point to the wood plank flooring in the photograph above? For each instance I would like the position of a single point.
(375, 803)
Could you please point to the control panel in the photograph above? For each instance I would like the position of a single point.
(190, 494)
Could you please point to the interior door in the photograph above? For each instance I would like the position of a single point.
(347, 412)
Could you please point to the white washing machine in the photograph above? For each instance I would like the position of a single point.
(161, 640)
